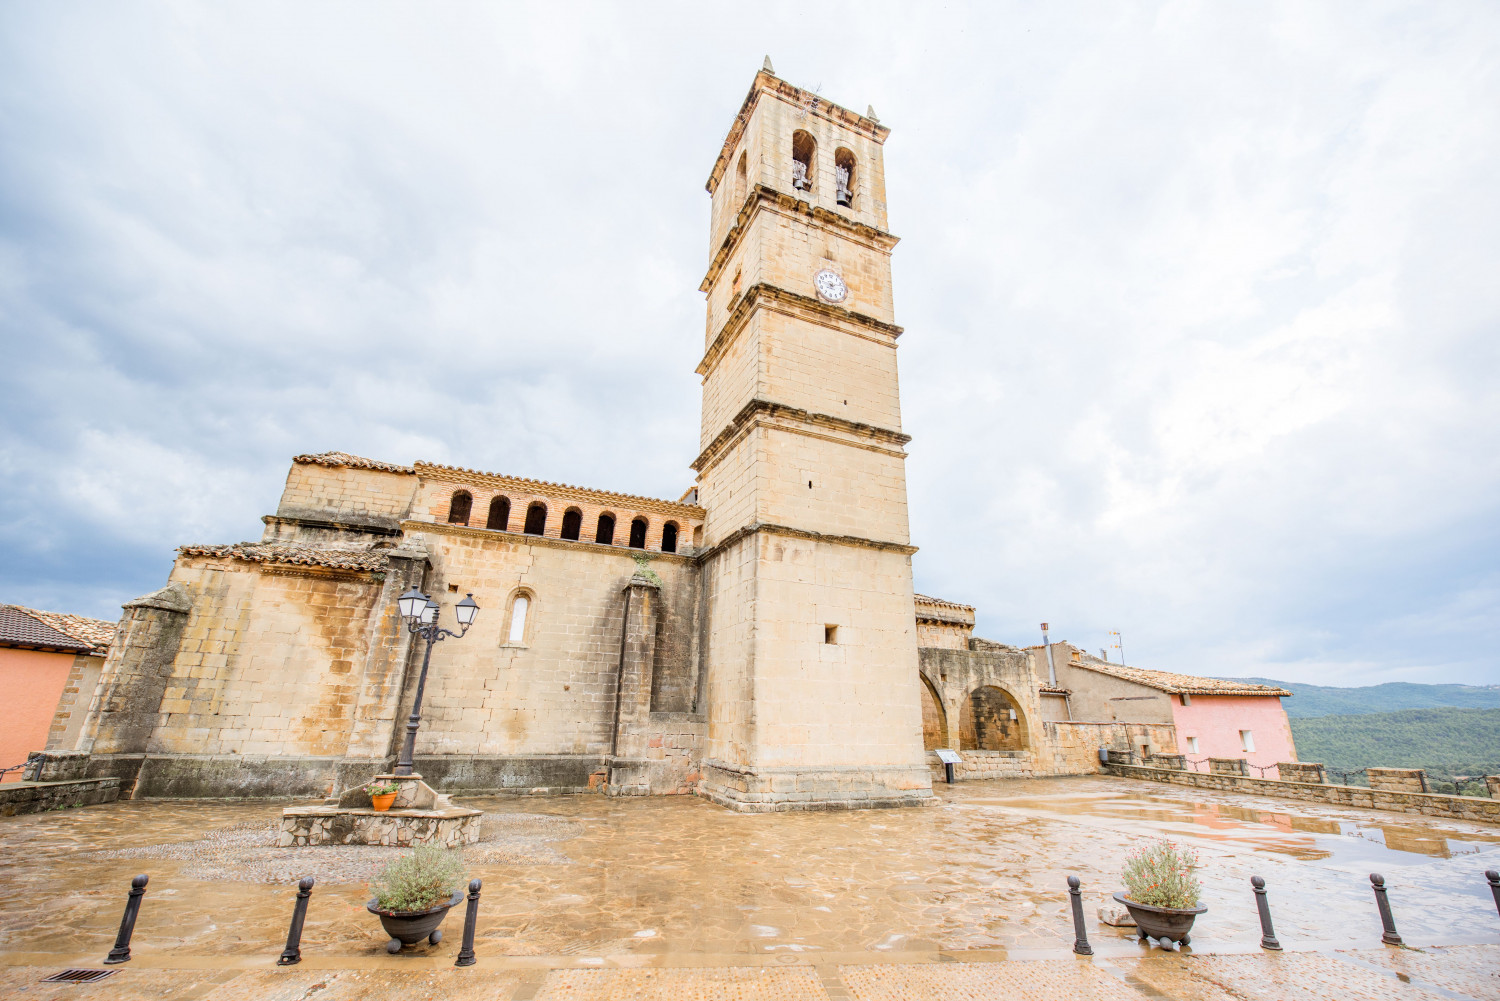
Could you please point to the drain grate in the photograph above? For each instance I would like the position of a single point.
(79, 976)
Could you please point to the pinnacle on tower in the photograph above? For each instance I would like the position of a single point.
(766, 66)
(870, 113)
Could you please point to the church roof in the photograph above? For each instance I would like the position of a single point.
(938, 610)
(35, 629)
(1177, 684)
(337, 459)
(311, 556)
(477, 476)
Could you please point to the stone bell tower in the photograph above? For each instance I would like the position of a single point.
(811, 650)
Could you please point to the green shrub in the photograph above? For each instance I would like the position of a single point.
(1161, 875)
(427, 877)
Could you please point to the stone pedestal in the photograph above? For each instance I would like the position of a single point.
(419, 816)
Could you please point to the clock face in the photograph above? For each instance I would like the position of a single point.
(830, 286)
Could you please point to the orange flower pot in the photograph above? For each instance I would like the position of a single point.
(382, 803)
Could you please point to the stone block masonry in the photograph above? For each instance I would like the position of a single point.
(17, 798)
(1429, 804)
(1397, 779)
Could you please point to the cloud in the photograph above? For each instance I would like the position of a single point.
(1200, 301)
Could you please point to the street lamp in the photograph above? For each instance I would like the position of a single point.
(421, 616)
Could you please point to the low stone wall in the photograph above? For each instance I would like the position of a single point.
(1301, 771)
(1397, 779)
(1228, 766)
(977, 765)
(1493, 782)
(37, 797)
(328, 825)
(1429, 804)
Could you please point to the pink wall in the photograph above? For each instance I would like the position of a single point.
(1216, 720)
(31, 682)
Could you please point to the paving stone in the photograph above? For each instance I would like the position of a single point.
(731, 984)
(1271, 976)
(1472, 970)
(1050, 979)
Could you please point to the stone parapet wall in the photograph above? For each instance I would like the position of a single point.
(1492, 782)
(1428, 804)
(1397, 779)
(979, 765)
(1301, 771)
(451, 828)
(17, 798)
(1228, 766)
(829, 788)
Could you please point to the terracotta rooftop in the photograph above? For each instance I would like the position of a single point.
(1177, 684)
(337, 459)
(923, 599)
(33, 628)
(462, 473)
(272, 552)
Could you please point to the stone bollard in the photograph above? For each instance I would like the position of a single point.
(1267, 933)
(1494, 878)
(1080, 934)
(471, 917)
(121, 952)
(1389, 936)
(293, 951)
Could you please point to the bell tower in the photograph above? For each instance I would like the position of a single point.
(811, 653)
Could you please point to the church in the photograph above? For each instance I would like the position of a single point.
(756, 641)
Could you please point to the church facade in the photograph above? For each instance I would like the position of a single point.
(756, 642)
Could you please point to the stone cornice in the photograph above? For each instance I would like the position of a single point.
(767, 83)
(550, 541)
(794, 304)
(763, 195)
(527, 487)
(801, 533)
(762, 412)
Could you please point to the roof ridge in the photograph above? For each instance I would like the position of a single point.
(549, 483)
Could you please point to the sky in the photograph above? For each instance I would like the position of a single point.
(1200, 299)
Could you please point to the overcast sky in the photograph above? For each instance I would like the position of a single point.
(1201, 299)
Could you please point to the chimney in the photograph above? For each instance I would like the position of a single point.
(1051, 667)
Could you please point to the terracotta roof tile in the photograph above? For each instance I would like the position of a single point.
(27, 627)
(270, 552)
(337, 459)
(463, 474)
(1177, 684)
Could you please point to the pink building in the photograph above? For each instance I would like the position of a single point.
(49, 663)
(1249, 726)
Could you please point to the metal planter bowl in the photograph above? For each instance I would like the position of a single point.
(411, 927)
(1170, 923)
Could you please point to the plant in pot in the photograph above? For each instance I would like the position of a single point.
(414, 892)
(382, 795)
(1161, 893)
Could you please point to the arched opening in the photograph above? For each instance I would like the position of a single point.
(843, 172)
(536, 519)
(572, 523)
(697, 536)
(803, 151)
(934, 719)
(669, 537)
(741, 176)
(519, 607)
(459, 507)
(605, 533)
(991, 721)
(499, 514)
(638, 534)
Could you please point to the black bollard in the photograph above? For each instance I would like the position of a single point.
(1267, 933)
(471, 918)
(1080, 934)
(121, 952)
(293, 951)
(1389, 936)
(1494, 878)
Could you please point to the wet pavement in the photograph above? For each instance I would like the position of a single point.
(591, 897)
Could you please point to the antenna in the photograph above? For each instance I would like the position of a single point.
(1119, 644)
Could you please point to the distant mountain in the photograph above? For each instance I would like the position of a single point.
(1445, 741)
(1320, 700)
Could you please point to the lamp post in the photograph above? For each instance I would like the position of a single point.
(421, 615)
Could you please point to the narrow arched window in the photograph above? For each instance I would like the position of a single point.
(572, 523)
(499, 514)
(536, 519)
(740, 178)
(518, 609)
(458, 509)
(669, 537)
(638, 534)
(606, 530)
(843, 172)
(803, 151)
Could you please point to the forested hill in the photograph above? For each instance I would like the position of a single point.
(1444, 741)
(1319, 700)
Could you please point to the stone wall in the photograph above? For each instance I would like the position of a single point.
(1397, 779)
(1301, 771)
(17, 798)
(1228, 766)
(1429, 804)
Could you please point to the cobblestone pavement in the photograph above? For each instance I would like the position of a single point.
(586, 897)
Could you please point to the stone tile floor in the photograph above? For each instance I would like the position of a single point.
(593, 898)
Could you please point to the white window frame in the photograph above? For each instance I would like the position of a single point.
(1247, 741)
(1192, 743)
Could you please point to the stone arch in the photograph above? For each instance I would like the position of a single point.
(669, 537)
(804, 160)
(499, 514)
(934, 717)
(536, 519)
(843, 172)
(572, 523)
(638, 533)
(605, 533)
(991, 720)
(741, 176)
(459, 507)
